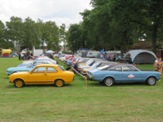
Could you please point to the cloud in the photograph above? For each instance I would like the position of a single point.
(60, 11)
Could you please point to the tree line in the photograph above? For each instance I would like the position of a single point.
(18, 34)
(109, 25)
(117, 24)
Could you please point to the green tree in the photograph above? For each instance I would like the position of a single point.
(4, 42)
(62, 35)
(30, 31)
(14, 31)
(51, 35)
(75, 37)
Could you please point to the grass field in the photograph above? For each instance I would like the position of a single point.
(79, 102)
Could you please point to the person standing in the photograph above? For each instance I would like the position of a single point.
(158, 65)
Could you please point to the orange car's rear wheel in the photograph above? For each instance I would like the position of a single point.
(59, 83)
(18, 83)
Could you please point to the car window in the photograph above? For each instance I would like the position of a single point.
(129, 68)
(115, 68)
(40, 70)
(51, 69)
(125, 68)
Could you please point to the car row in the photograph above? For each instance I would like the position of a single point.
(110, 73)
(98, 70)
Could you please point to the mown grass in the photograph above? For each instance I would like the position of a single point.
(79, 102)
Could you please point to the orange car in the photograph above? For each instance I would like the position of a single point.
(42, 74)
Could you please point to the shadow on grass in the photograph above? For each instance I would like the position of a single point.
(41, 86)
(92, 83)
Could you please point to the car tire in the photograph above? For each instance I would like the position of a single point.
(59, 83)
(18, 83)
(109, 81)
(151, 81)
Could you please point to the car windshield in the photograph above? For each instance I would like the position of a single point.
(61, 68)
(89, 62)
(32, 68)
(31, 65)
(95, 65)
(103, 67)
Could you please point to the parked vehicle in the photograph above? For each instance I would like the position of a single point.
(123, 73)
(28, 66)
(42, 74)
(38, 59)
(86, 64)
(92, 54)
(96, 65)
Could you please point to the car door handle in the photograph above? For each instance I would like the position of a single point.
(45, 74)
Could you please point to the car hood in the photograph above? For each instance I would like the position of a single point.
(69, 72)
(82, 64)
(86, 68)
(94, 70)
(19, 74)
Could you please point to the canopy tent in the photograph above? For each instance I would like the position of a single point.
(50, 51)
(6, 52)
(140, 56)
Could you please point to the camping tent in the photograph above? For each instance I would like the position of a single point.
(141, 56)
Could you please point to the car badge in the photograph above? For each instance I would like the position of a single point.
(131, 76)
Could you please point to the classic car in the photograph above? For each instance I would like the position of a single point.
(28, 67)
(89, 63)
(38, 59)
(95, 65)
(42, 74)
(123, 73)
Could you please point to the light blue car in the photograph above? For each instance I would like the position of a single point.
(27, 67)
(122, 73)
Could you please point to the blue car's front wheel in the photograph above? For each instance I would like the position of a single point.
(109, 81)
(151, 81)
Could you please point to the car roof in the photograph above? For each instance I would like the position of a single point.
(47, 65)
(123, 64)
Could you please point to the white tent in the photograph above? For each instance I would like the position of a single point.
(141, 56)
(50, 51)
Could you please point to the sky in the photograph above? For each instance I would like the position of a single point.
(59, 11)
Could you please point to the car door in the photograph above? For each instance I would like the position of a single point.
(38, 76)
(130, 74)
(116, 72)
(52, 74)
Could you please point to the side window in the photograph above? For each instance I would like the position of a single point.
(51, 69)
(126, 68)
(132, 68)
(116, 68)
(40, 70)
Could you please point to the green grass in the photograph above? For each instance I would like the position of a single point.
(79, 102)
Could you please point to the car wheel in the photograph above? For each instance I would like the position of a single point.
(59, 83)
(151, 81)
(18, 83)
(109, 81)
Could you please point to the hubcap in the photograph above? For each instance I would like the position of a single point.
(151, 81)
(19, 84)
(59, 83)
(109, 82)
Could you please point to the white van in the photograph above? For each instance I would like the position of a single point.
(93, 54)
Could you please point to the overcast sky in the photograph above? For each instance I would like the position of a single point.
(60, 11)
